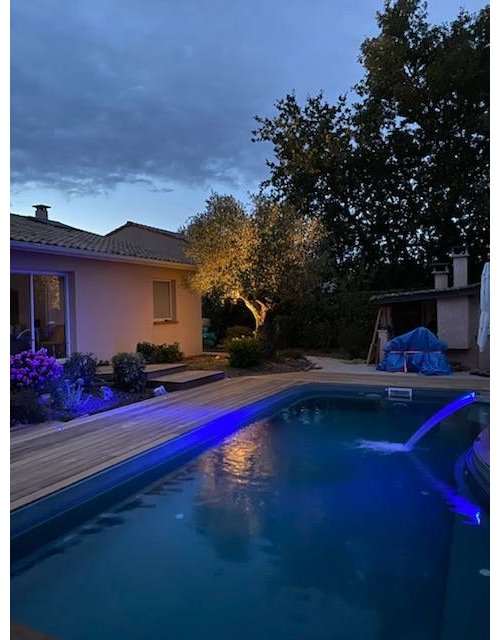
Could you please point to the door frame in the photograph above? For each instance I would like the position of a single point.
(64, 275)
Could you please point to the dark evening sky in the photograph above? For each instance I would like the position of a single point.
(136, 110)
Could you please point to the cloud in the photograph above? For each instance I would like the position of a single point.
(104, 97)
(162, 92)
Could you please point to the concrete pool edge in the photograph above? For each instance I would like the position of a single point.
(40, 521)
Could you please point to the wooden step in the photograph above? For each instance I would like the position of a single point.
(152, 370)
(186, 379)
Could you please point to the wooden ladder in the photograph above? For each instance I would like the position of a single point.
(373, 350)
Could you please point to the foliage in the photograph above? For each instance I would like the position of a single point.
(148, 351)
(26, 407)
(263, 257)
(225, 313)
(399, 174)
(169, 353)
(289, 354)
(69, 396)
(353, 309)
(81, 366)
(235, 332)
(129, 371)
(316, 320)
(354, 341)
(32, 370)
(245, 352)
(160, 353)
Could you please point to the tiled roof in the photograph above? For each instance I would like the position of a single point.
(147, 227)
(30, 230)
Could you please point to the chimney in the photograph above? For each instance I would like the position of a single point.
(460, 257)
(41, 211)
(440, 272)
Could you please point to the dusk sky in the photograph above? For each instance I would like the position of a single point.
(136, 110)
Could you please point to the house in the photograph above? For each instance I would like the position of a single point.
(72, 290)
(450, 312)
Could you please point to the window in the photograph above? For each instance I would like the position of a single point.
(38, 313)
(162, 300)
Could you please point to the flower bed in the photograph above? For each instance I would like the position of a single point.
(34, 371)
(42, 389)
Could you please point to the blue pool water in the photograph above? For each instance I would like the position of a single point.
(286, 530)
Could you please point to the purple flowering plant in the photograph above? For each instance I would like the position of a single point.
(33, 370)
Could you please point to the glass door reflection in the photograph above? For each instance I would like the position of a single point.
(38, 313)
(49, 314)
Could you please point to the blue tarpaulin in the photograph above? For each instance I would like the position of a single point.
(418, 351)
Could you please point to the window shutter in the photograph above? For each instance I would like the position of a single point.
(162, 308)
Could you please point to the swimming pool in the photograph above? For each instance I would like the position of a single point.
(286, 529)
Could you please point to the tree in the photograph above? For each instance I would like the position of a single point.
(402, 173)
(264, 257)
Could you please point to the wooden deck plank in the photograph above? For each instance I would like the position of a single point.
(187, 379)
(47, 458)
(106, 371)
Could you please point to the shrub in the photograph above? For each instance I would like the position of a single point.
(81, 366)
(290, 354)
(160, 353)
(26, 408)
(32, 370)
(245, 352)
(355, 341)
(129, 371)
(148, 350)
(235, 333)
(69, 395)
(169, 353)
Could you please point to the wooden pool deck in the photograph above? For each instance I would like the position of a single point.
(52, 456)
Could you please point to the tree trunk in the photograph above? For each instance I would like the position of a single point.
(263, 314)
(268, 333)
(258, 310)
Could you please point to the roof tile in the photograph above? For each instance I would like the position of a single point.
(31, 230)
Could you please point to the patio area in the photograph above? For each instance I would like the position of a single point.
(52, 456)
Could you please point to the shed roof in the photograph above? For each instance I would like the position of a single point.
(426, 294)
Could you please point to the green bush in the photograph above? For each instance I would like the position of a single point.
(129, 371)
(245, 352)
(148, 351)
(81, 366)
(160, 353)
(26, 408)
(235, 333)
(169, 353)
(355, 341)
(69, 395)
(289, 354)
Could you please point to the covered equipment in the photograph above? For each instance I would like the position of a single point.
(418, 351)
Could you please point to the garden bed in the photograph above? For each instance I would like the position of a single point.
(220, 362)
(97, 404)
(92, 404)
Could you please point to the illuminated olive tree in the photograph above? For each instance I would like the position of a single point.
(263, 257)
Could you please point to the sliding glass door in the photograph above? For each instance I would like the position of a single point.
(20, 312)
(38, 313)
